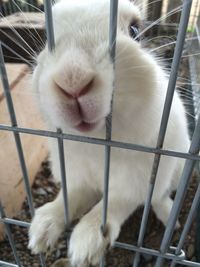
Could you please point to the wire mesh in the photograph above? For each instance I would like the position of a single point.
(176, 255)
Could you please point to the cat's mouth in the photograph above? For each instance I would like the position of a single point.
(87, 127)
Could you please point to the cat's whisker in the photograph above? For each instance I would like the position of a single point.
(183, 56)
(183, 78)
(20, 37)
(11, 57)
(151, 3)
(17, 54)
(172, 12)
(17, 43)
(40, 41)
(186, 97)
(174, 42)
(183, 88)
(152, 50)
(148, 40)
(191, 83)
(190, 115)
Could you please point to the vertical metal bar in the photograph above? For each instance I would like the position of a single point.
(51, 46)
(113, 29)
(165, 117)
(14, 124)
(63, 175)
(49, 24)
(112, 51)
(112, 48)
(147, 208)
(13, 119)
(188, 223)
(10, 237)
(180, 194)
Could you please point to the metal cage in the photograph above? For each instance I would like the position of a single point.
(175, 254)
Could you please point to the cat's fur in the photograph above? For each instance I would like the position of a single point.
(81, 56)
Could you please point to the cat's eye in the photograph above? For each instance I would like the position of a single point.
(134, 32)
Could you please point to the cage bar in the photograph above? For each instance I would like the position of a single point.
(149, 251)
(180, 194)
(165, 117)
(98, 141)
(49, 24)
(10, 237)
(191, 156)
(15, 222)
(188, 223)
(51, 47)
(17, 137)
(112, 52)
(7, 264)
(63, 176)
(112, 48)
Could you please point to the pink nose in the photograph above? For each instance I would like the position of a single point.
(77, 92)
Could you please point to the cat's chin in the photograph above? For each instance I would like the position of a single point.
(85, 127)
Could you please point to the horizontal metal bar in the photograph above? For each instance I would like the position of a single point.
(116, 244)
(25, 224)
(7, 264)
(148, 251)
(98, 141)
(8, 221)
(189, 263)
(10, 237)
(155, 253)
(15, 222)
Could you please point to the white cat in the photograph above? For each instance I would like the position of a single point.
(75, 91)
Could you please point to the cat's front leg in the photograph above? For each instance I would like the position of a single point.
(88, 243)
(48, 222)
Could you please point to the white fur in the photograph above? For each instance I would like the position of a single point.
(81, 55)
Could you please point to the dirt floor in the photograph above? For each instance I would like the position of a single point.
(45, 190)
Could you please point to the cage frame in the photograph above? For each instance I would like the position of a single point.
(175, 254)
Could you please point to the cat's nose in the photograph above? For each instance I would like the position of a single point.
(76, 88)
(76, 92)
(83, 90)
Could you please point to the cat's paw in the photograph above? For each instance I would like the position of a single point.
(45, 229)
(88, 244)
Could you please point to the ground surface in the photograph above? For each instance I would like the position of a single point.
(45, 190)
